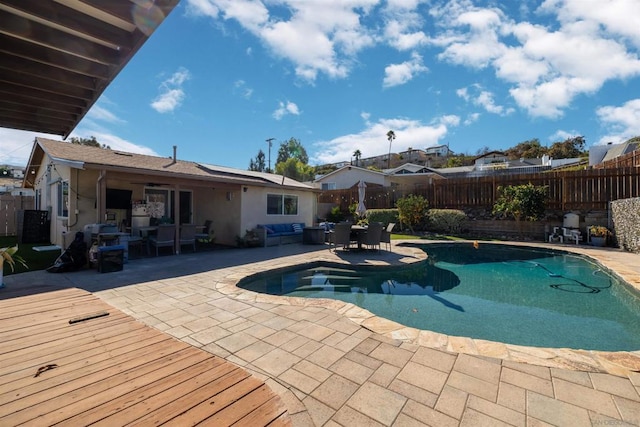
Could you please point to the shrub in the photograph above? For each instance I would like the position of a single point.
(446, 220)
(336, 215)
(412, 211)
(384, 216)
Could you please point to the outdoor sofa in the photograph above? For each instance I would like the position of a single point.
(280, 234)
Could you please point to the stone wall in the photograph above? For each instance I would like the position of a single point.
(625, 215)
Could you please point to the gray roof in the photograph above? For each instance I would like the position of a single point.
(86, 157)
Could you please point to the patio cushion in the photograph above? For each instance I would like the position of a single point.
(297, 228)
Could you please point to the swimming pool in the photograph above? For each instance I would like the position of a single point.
(517, 295)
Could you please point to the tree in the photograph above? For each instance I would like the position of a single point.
(521, 202)
(567, 149)
(292, 149)
(412, 210)
(391, 135)
(258, 163)
(91, 142)
(295, 169)
(530, 149)
(357, 154)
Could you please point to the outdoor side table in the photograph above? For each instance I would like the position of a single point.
(313, 235)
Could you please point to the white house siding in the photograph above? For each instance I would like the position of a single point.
(254, 207)
(348, 177)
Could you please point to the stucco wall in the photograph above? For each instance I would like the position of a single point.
(254, 207)
(625, 215)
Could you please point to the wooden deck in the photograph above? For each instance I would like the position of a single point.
(58, 368)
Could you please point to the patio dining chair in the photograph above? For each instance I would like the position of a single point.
(373, 235)
(340, 235)
(165, 238)
(205, 231)
(386, 235)
(188, 236)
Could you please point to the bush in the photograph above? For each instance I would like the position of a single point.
(336, 215)
(384, 216)
(446, 220)
(412, 211)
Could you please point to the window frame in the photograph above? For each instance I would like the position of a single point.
(286, 204)
(63, 198)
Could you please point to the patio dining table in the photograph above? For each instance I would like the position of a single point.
(359, 231)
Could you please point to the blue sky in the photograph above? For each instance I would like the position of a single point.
(219, 77)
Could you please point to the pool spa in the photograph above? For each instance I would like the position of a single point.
(512, 294)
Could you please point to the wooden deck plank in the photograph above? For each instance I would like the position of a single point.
(18, 360)
(88, 360)
(272, 410)
(52, 332)
(114, 370)
(241, 407)
(127, 407)
(86, 399)
(42, 387)
(193, 398)
(86, 337)
(216, 403)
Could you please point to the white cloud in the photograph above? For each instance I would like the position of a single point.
(17, 145)
(372, 140)
(286, 108)
(241, 86)
(476, 95)
(471, 118)
(547, 65)
(172, 94)
(398, 74)
(622, 122)
(102, 114)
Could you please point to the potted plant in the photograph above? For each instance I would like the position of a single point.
(599, 235)
(9, 255)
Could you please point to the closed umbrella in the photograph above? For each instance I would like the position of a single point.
(362, 209)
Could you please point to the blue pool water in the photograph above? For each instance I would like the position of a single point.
(517, 295)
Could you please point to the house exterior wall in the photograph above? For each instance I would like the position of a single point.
(347, 178)
(254, 207)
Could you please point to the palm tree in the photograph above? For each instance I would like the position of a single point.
(357, 154)
(391, 135)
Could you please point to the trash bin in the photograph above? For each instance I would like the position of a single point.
(110, 258)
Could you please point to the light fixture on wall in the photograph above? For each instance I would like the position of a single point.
(244, 189)
(229, 194)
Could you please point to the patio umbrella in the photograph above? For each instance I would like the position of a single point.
(362, 209)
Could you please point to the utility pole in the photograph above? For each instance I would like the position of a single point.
(269, 140)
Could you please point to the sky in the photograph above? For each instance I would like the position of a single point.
(220, 77)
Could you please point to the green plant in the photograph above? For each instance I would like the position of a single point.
(335, 215)
(520, 202)
(599, 231)
(446, 220)
(384, 216)
(8, 254)
(412, 211)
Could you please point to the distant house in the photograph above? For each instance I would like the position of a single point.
(602, 153)
(349, 176)
(82, 185)
(438, 151)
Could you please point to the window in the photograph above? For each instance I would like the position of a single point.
(282, 204)
(63, 199)
(328, 185)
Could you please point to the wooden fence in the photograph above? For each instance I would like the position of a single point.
(9, 206)
(584, 190)
(629, 160)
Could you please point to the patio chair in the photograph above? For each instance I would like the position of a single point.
(165, 237)
(571, 234)
(373, 235)
(386, 235)
(205, 230)
(188, 235)
(340, 235)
